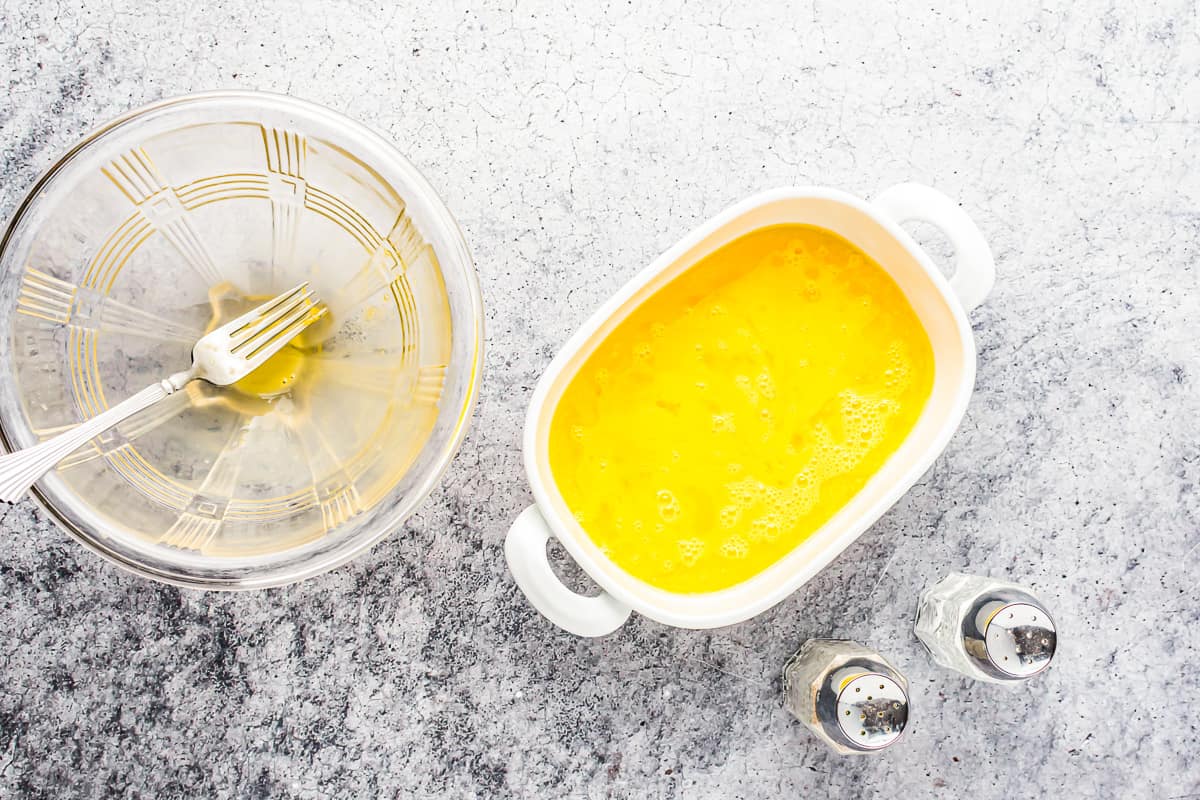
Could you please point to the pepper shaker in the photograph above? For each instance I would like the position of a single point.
(848, 695)
(984, 628)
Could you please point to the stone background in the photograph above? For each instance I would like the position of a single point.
(574, 144)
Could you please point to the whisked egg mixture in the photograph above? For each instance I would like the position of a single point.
(735, 411)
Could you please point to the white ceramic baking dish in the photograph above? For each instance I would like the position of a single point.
(942, 307)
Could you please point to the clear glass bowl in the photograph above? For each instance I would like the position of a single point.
(172, 219)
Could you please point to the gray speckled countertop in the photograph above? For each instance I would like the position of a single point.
(574, 146)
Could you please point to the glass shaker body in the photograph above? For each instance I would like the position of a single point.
(984, 628)
(848, 695)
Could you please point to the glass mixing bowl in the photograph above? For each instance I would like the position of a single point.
(171, 220)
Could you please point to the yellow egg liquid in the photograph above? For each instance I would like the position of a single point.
(277, 374)
(735, 411)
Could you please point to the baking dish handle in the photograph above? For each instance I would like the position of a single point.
(525, 550)
(974, 269)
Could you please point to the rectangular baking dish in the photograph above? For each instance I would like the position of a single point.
(940, 304)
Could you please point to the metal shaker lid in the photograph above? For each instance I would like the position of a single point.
(1009, 635)
(1020, 639)
(872, 710)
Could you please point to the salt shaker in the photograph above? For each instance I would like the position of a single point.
(986, 629)
(848, 695)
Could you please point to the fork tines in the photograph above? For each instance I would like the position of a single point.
(287, 316)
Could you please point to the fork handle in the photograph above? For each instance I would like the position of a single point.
(20, 470)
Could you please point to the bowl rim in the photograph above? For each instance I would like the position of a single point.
(394, 518)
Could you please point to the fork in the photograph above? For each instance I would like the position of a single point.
(224, 356)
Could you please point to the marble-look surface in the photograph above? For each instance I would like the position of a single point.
(574, 146)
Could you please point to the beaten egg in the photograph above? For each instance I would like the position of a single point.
(737, 409)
